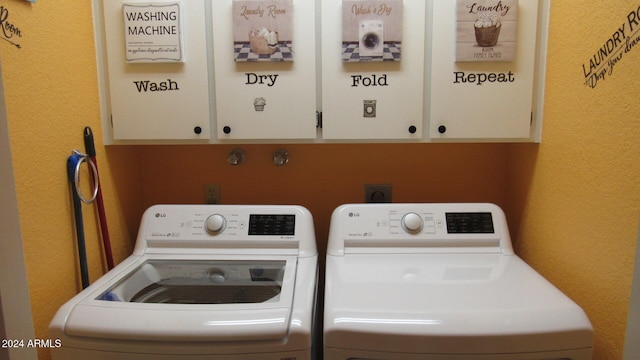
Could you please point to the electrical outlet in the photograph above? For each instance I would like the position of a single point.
(377, 193)
(212, 194)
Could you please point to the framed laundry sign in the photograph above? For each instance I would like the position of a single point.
(371, 30)
(262, 30)
(486, 30)
(153, 32)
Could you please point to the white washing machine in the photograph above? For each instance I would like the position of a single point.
(371, 34)
(440, 281)
(204, 282)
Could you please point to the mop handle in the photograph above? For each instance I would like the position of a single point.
(104, 229)
(72, 163)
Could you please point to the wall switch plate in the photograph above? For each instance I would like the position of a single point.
(212, 194)
(377, 193)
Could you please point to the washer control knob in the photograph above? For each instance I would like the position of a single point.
(412, 223)
(215, 224)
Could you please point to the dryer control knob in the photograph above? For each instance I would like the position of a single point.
(215, 224)
(412, 223)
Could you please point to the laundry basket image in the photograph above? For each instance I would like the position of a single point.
(488, 31)
(263, 41)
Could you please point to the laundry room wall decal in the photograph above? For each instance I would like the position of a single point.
(10, 32)
(622, 40)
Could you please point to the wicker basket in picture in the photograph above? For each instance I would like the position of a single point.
(259, 44)
(487, 36)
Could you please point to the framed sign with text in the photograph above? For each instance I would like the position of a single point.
(153, 32)
(371, 30)
(486, 30)
(262, 30)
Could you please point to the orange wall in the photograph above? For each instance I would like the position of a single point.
(321, 177)
(51, 93)
(572, 201)
(576, 196)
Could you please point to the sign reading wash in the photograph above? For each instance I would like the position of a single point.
(153, 32)
(621, 42)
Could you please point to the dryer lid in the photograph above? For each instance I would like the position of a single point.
(449, 304)
(191, 300)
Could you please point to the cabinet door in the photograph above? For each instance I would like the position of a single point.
(156, 97)
(487, 93)
(265, 69)
(372, 69)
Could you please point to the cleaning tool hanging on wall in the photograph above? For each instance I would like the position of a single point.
(73, 171)
(104, 229)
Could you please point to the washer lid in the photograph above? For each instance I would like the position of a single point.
(448, 304)
(191, 300)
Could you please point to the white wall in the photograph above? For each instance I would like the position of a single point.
(15, 315)
(4, 353)
(632, 340)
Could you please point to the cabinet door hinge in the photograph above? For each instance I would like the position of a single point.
(531, 119)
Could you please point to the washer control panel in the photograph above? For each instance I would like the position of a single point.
(370, 222)
(227, 226)
(259, 224)
(399, 225)
(219, 221)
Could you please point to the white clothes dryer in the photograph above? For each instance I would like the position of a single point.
(440, 282)
(204, 282)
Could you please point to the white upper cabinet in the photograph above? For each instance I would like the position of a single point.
(373, 69)
(265, 69)
(155, 70)
(321, 71)
(482, 70)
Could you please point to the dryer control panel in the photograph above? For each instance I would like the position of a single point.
(381, 226)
